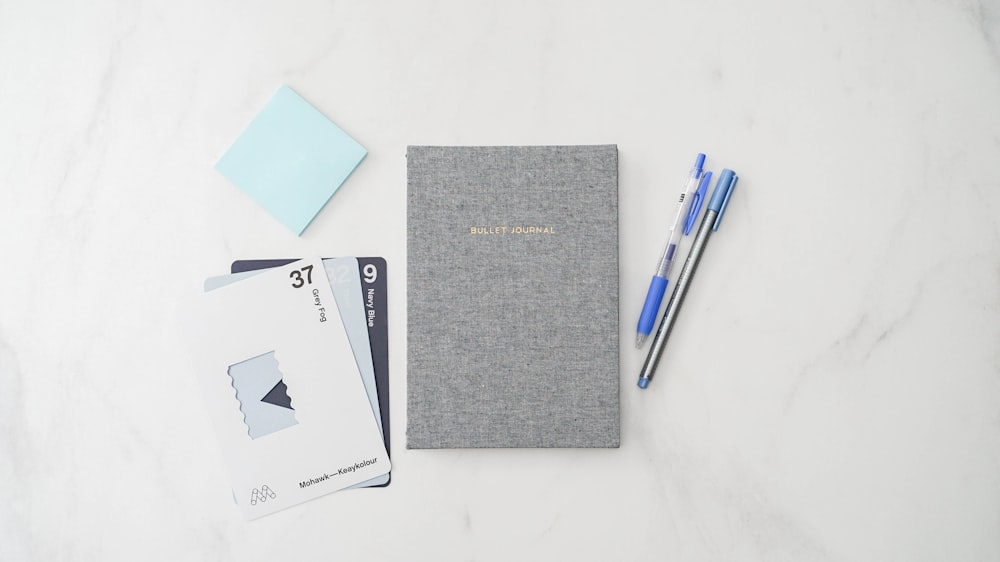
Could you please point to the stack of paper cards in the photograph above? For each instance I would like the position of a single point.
(292, 356)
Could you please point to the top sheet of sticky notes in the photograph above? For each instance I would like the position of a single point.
(291, 159)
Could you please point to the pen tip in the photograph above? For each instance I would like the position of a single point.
(639, 340)
(643, 383)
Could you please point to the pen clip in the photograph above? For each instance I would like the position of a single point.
(695, 207)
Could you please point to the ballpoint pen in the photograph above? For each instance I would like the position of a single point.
(658, 284)
(713, 216)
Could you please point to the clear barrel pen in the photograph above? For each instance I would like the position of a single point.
(658, 284)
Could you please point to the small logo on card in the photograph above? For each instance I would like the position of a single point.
(262, 494)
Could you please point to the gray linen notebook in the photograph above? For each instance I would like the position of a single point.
(512, 297)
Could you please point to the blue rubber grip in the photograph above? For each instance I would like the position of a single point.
(654, 296)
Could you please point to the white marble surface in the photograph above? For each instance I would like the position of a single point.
(832, 391)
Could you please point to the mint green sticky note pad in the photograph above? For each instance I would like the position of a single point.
(291, 159)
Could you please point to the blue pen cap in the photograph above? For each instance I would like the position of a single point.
(695, 206)
(720, 197)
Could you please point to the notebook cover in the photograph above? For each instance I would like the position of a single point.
(512, 297)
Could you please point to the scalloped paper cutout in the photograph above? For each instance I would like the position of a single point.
(262, 394)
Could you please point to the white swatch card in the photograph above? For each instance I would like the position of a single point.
(343, 276)
(325, 437)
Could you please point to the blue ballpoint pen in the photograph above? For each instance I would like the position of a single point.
(713, 216)
(658, 284)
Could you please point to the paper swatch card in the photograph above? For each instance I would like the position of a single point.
(373, 273)
(283, 388)
(351, 302)
(291, 159)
